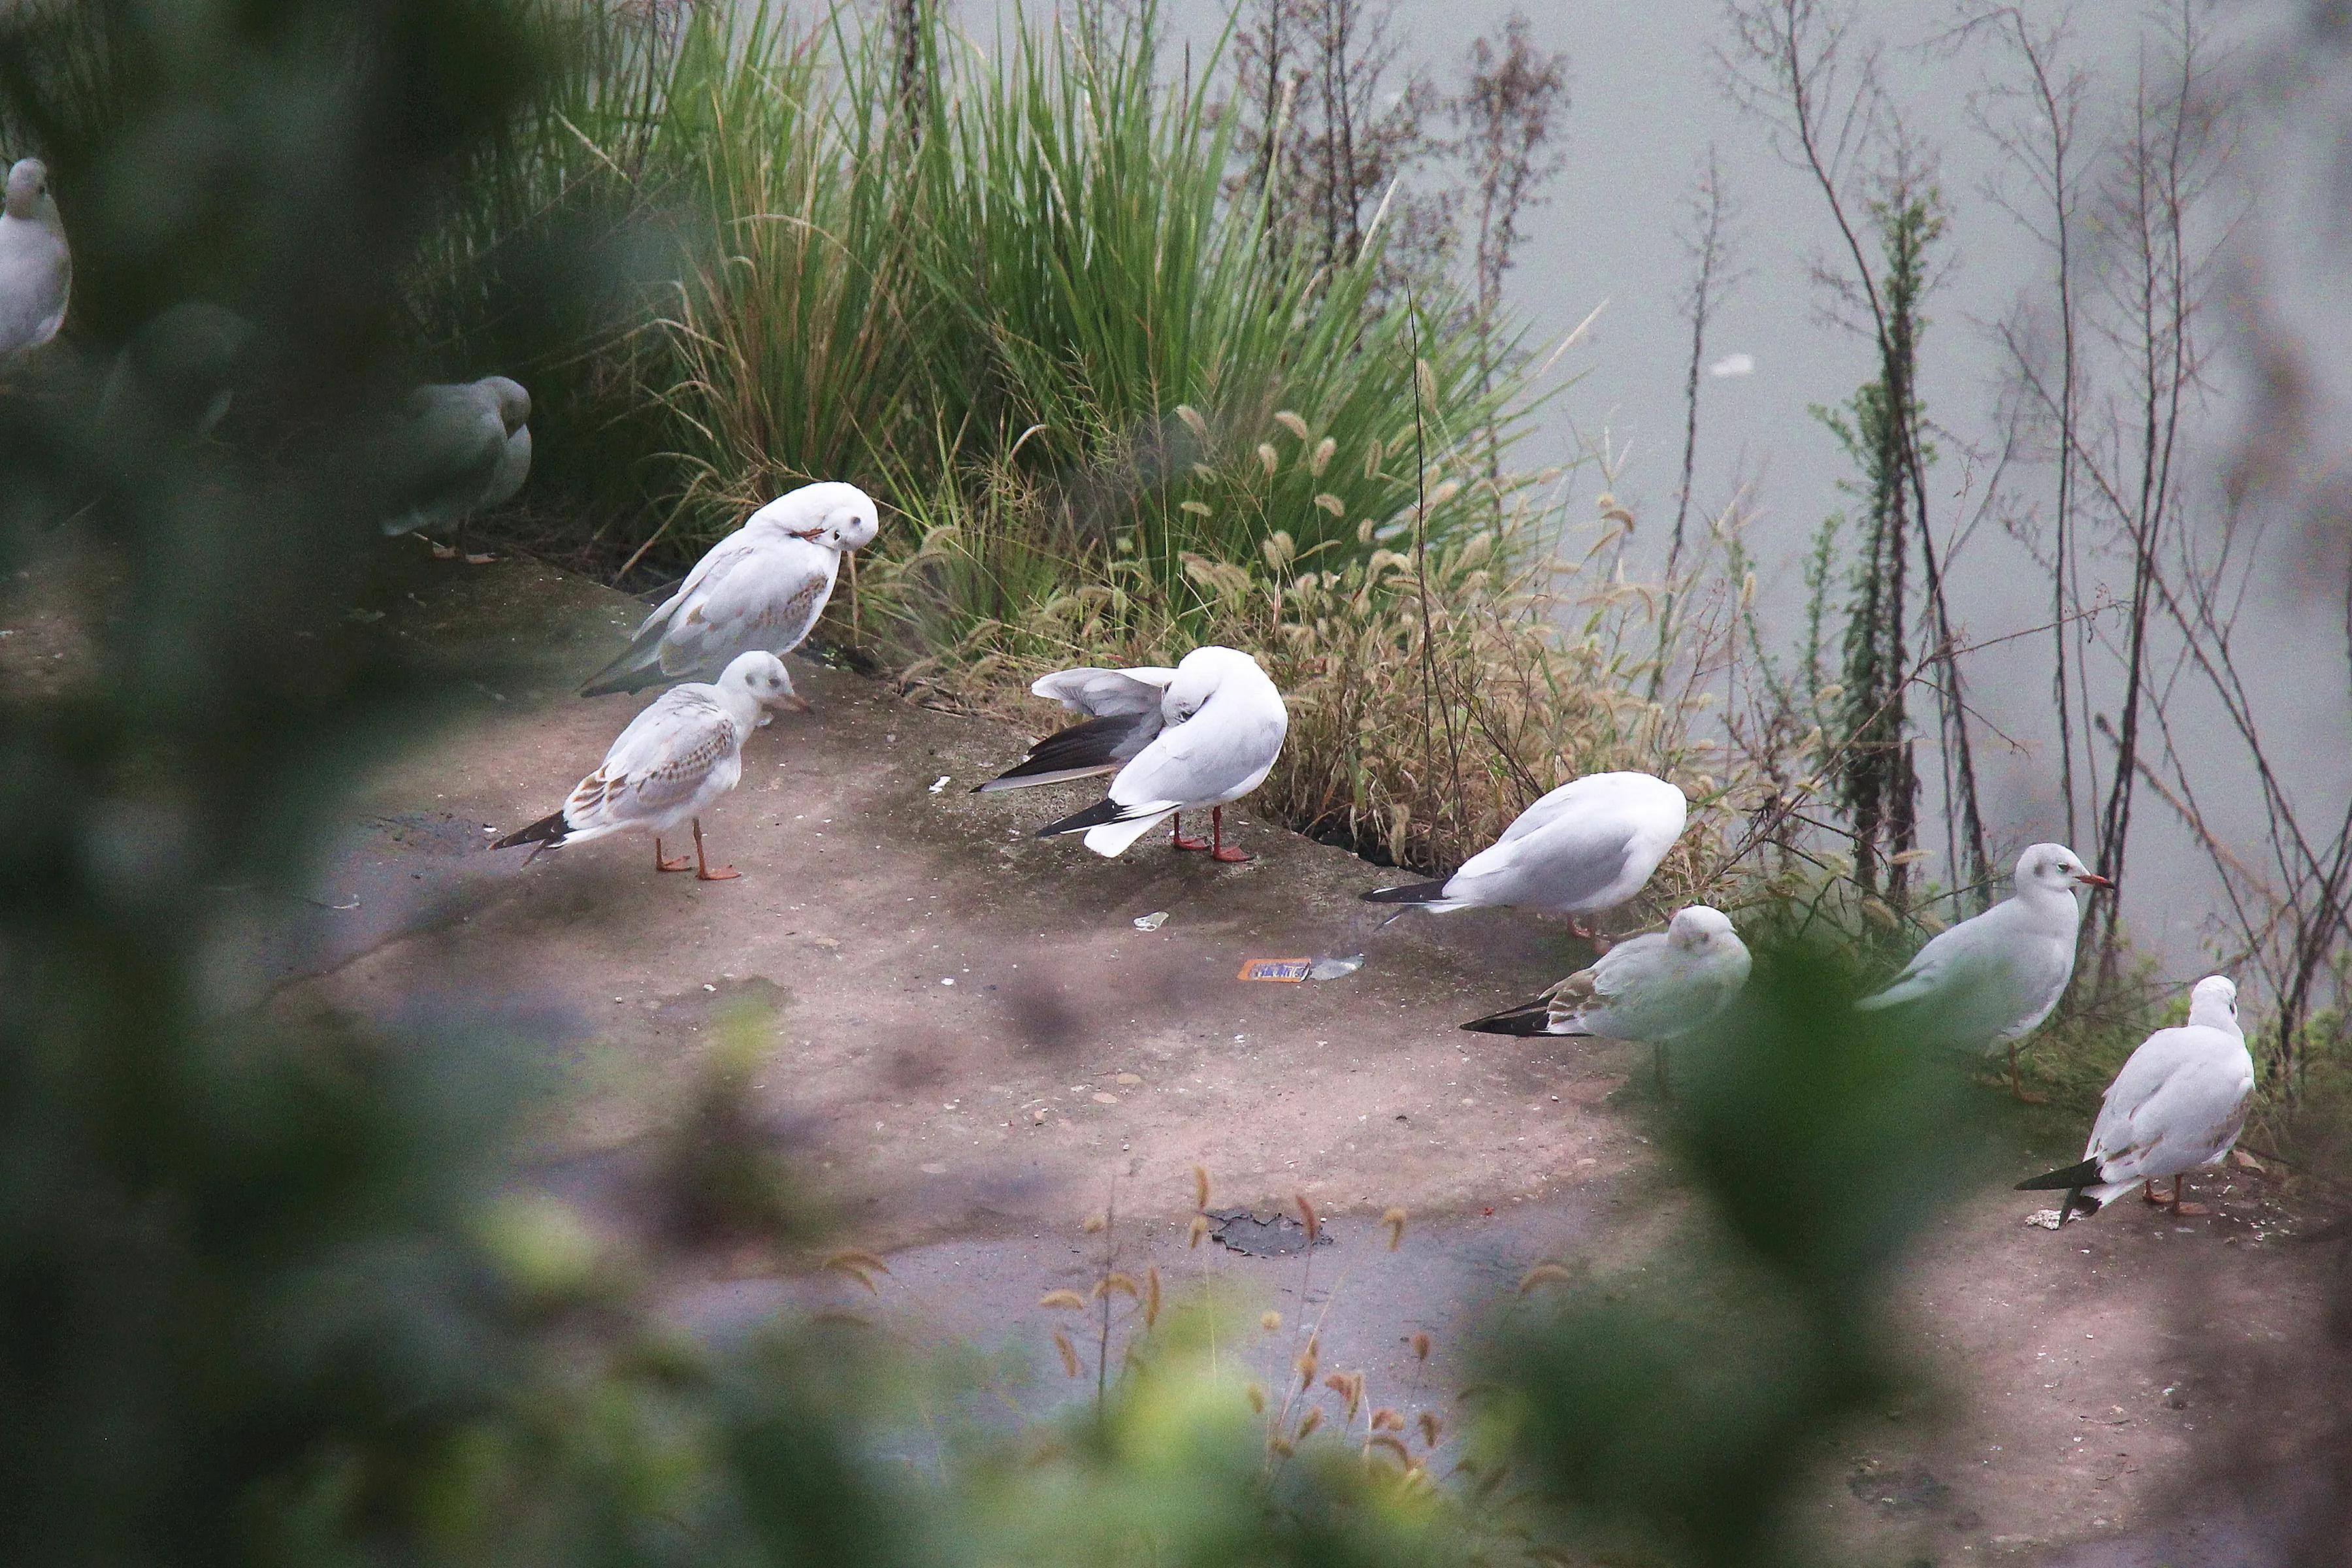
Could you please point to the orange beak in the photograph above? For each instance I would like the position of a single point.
(2093, 879)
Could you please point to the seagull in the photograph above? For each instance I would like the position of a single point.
(1122, 717)
(180, 371)
(670, 764)
(1657, 987)
(461, 448)
(1217, 729)
(35, 264)
(763, 586)
(1588, 845)
(1990, 981)
(2177, 1106)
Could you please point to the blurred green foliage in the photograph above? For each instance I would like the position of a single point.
(1683, 1410)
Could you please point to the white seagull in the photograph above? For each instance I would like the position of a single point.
(461, 448)
(35, 264)
(1990, 981)
(670, 764)
(1657, 987)
(1588, 845)
(763, 586)
(1214, 737)
(2177, 1106)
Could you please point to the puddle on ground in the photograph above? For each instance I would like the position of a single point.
(1274, 1235)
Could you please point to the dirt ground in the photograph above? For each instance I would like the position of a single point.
(981, 1048)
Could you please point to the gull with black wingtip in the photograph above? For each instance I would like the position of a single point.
(2177, 1106)
(1216, 730)
(1589, 846)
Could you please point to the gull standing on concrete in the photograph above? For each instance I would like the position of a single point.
(460, 450)
(670, 764)
(763, 586)
(1657, 987)
(1990, 981)
(1218, 728)
(35, 264)
(1588, 845)
(2177, 1106)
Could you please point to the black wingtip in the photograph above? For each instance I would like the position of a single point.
(1095, 815)
(1533, 1019)
(548, 832)
(1411, 893)
(2073, 1176)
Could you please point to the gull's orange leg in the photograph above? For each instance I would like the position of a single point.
(2017, 1081)
(1217, 833)
(702, 868)
(1176, 833)
(2190, 1211)
(680, 864)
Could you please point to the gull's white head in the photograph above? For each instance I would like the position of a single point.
(28, 183)
(764, 677)
(2214, 1004)
(1700, 928)
(514, 403)
(2054, 868)
(838, 516)
(1202, 674)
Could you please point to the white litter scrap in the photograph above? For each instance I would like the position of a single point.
(1151, 921)
(2047, 1219)
(939, 783)
(1336, 968)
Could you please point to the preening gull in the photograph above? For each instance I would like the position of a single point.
(1657, 987)
(1123, 709)
(2177, 1106)
(460, 448)
(1989, 981)
(1218, 729)
(179, 373)
(1588, 845)
(672, 761)
(763, 586)
(35, 263)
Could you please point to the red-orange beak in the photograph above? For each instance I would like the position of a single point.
(2093, 879)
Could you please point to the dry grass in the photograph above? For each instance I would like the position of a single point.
(1433, 693)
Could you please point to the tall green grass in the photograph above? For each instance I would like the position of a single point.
(1042, 269)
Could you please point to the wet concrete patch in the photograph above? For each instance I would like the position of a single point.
(1262, 1235)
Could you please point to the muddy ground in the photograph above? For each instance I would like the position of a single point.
(975, 1048)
